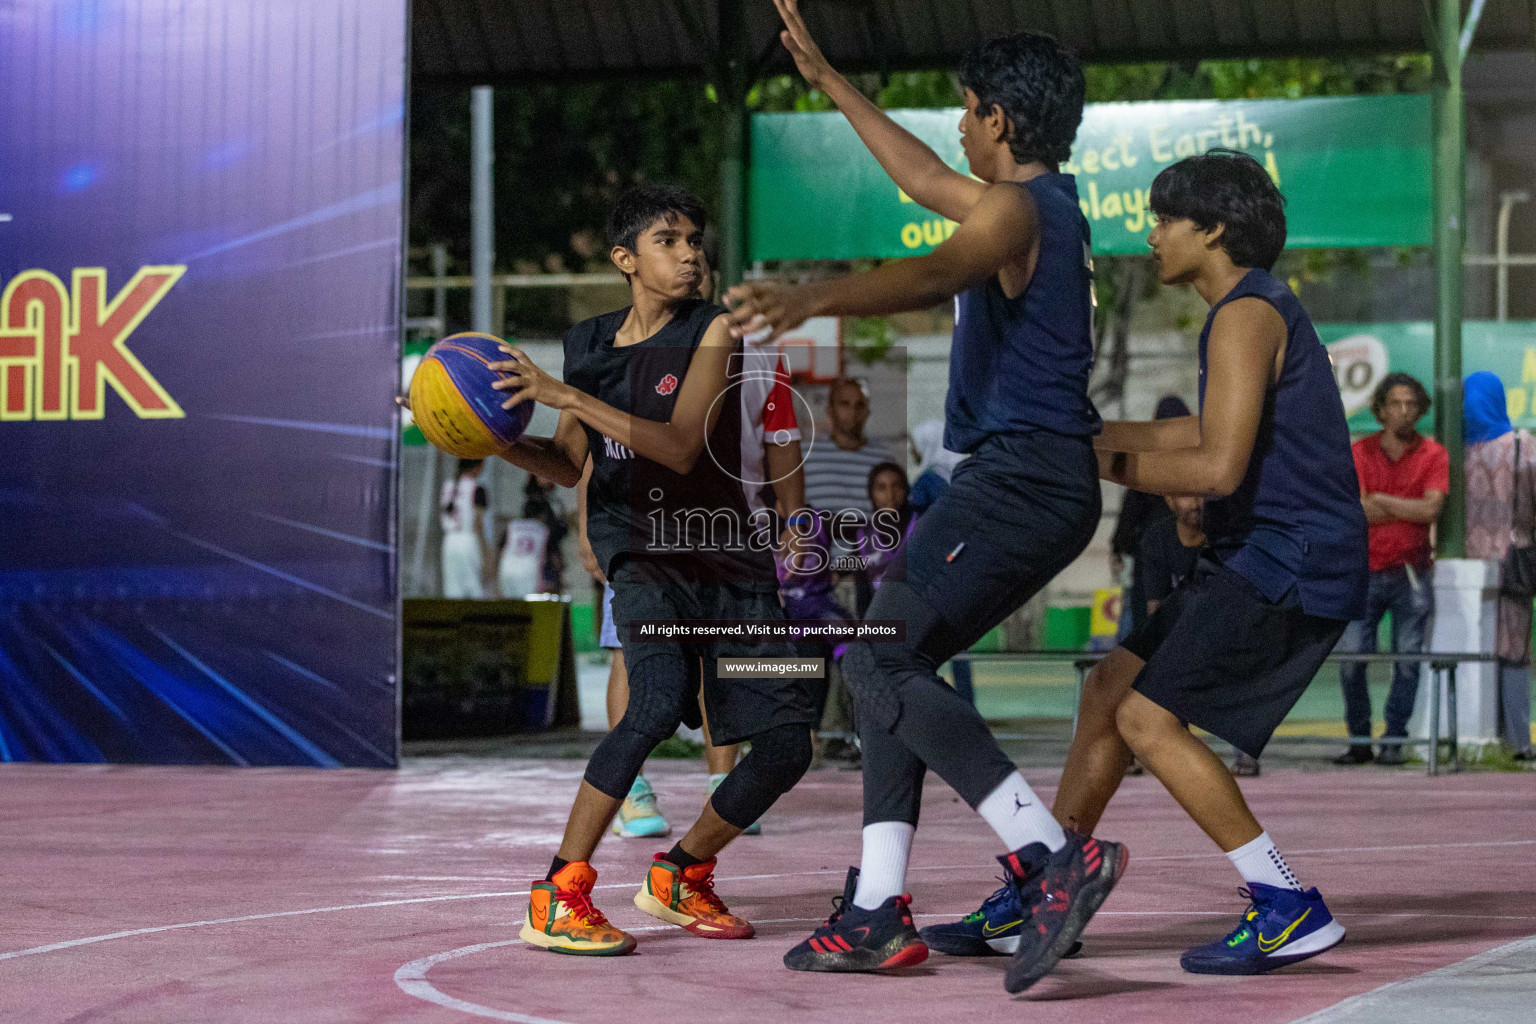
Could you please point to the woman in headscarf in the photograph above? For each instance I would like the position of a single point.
(1137, 512)
(1500, 503)
(935, 464)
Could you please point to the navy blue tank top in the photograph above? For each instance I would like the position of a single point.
(1295, 521)
(1022, 364)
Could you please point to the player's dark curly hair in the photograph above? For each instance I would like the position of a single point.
(1224, 186)
(1039, 85)
(1399, 380)
(643, 204)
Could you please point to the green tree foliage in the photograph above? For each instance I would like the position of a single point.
(563, 152)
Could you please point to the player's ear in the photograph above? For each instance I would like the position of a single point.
(623, 259)
(998, 126)
(1213, 235)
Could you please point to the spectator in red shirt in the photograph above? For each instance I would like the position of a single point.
(1404, 478)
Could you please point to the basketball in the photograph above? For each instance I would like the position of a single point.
(454, 404)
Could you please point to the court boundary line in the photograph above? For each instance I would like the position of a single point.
(407, 901)
(411, 978)
(1375, 995)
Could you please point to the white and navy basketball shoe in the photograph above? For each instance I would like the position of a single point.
(1280, 927)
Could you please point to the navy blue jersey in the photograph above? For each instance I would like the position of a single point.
(1295, 521)
(1022, 364)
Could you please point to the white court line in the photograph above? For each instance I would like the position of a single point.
(412, 977)
(130, 933)
(90, 939)
(1353, 849)
(1385, 994)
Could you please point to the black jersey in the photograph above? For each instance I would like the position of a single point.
(638, 507)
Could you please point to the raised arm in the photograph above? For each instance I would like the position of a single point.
(676, 444)
(914, 167)
(1245, 343)
(1002, 229)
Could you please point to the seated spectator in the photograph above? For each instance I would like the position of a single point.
(837, 466)
(1404, 478)
(884, 537)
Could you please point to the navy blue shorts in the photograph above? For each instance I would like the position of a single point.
(1221, 656)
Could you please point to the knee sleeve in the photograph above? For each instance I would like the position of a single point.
(875, 703)
(778, 759)
(620, 756)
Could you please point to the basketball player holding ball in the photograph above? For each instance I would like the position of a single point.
(642, 398)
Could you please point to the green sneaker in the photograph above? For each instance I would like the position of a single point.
(754, 829)
(638, 814)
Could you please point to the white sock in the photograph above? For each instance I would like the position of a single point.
(883, 866)
(1260, 862)
(1019, 818)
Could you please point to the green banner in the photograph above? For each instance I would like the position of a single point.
(1362, 354)
(1355, 171)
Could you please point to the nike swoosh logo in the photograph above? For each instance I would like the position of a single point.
(988, 931)
(1270, 945)
(863, 929)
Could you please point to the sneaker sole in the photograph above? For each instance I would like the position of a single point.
(1005, 946)
(967, 945)
(624, 832)
(1324, 939)
(659, 910)
(863, 961)
(1089, 900)
(552, 943)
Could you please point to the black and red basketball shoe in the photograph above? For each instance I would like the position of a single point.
(857, 940)
(1059, 891)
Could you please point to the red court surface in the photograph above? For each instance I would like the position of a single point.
(184, 894)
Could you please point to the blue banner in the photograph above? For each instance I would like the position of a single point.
(201, 235)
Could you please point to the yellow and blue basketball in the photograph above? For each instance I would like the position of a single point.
(454, 404)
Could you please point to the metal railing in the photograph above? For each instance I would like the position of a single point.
(1442, 665)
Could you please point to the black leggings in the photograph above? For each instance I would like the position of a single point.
(1017, 513)
(777, 760)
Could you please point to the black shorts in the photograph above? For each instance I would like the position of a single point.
(1222, 657)
(663, 672)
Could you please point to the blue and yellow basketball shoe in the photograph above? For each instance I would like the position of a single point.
(1280, 927)
(992, 930)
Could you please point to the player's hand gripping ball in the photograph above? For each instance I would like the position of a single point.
(453, 401)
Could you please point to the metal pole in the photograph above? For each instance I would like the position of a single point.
(482, 258)
(1451, 725)
(1449, 203)
(1433, 756)
(440, 293)
(1507, 201)
(731, 91)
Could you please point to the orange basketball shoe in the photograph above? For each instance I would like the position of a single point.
(562, 919)
(686, 897)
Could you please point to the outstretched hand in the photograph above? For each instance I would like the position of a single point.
(529, 383)
(758, 306)
(813, 66)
